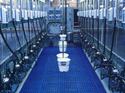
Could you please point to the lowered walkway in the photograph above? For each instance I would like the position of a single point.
(46, 78)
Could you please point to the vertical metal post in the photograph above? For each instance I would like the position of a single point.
(11, 7)
(65, 31)
(27, 7)
(63, 14)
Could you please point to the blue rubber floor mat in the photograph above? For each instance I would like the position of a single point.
(46, 78)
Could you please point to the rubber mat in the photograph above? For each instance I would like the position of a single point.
(46, 78)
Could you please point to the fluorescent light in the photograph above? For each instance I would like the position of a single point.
(51, 0)
(82, 1)
(42, 1)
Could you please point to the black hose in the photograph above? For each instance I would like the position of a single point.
(29, 27)
(37, 26)
(40, 23)
(17, 36)
(104, 35)
(24, 31)
(7, 45)
(98, 32)
(83, 21)
(85, 31)
(113, 39)
(16, 33)
(84, 24)
(89, 26)
(34, 29)
(93, 33)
